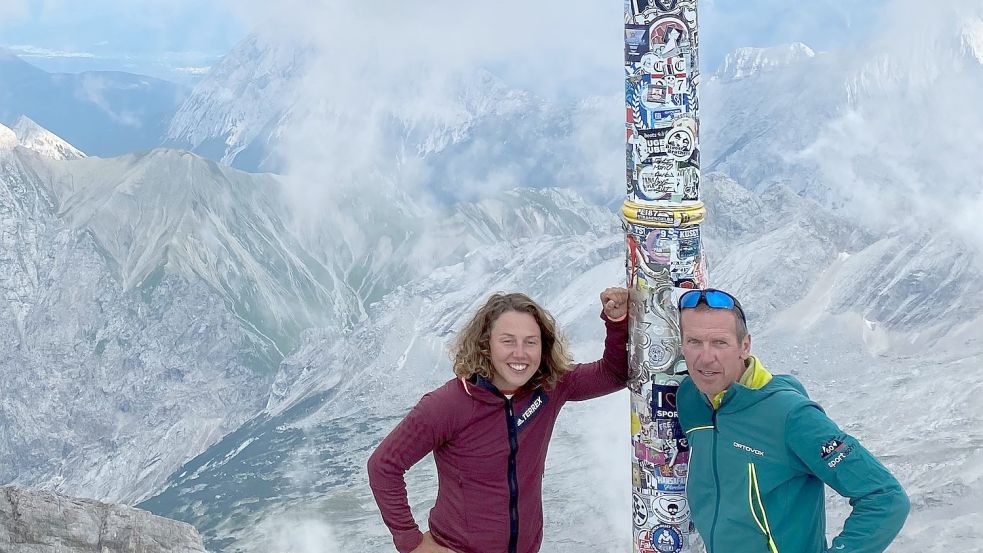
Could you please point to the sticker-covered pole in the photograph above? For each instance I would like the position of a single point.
(661, 219)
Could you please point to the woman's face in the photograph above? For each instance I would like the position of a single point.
(516, 349)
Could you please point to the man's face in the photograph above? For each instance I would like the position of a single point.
(516, 349)
(714, 355)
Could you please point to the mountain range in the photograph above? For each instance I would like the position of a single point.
(226, 348)
(103, 113)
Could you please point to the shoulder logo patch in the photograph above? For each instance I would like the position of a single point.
(834, 451)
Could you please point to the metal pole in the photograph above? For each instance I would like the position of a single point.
(661, 219)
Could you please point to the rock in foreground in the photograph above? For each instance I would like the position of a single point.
(43, 522)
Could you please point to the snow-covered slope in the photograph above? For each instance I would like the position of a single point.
(35, 137)
(107, 387)
(972, 37)
(307, 438)
(233, 114)
(8, 138)
(871, 131)
(171, 287)
(836, 298)
(171, 212)
(746, 62)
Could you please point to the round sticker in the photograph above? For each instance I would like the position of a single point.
(666, 539)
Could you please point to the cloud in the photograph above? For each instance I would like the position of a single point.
(93, 88)
(28, 51)
(287, 534)
(390, 84)
(906, 151)
(193, 70)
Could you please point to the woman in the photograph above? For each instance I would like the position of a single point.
(489, 428)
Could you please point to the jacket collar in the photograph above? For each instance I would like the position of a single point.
(755, 377)
(482, 389)
(755, 385)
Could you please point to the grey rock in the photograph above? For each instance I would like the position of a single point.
(44, 522)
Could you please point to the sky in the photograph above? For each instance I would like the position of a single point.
(179, 39)
(170, 39)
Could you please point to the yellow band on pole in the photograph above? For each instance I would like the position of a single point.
(664, 216)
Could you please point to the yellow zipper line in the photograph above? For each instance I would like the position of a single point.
(757, 492)
(699, 428)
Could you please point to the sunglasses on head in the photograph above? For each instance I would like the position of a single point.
(716, 299)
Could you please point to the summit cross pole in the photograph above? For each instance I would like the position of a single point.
(661, 218)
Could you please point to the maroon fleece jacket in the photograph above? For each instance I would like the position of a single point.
(485, 446)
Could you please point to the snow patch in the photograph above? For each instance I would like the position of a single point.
(972, 36)
(8, 140)
(35, 137)
(746, 62)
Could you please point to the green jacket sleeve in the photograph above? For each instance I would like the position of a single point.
(880, 505)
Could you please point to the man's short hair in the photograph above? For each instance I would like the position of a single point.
(740, 327)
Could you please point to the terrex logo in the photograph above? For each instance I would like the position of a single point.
(530, 412)
(749, 449)
(531, 409)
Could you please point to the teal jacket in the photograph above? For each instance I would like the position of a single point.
(757, 468)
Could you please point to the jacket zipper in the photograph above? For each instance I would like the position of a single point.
(716, 482)
(513, 478)
(754, 493)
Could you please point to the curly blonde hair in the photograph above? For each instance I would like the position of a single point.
(471, 349)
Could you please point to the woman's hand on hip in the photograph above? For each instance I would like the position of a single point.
(430, 546)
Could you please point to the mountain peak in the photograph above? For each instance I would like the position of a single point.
(35, 137)
(8, 139)
(746, 62)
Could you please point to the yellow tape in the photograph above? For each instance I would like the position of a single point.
(664, 216)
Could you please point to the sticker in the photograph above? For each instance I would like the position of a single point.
(668, 429)
(650, 144)
(671, 484)
(640, 479)
(667, 539)
(659, 181)
(640, 511)
(636, 42)
(690, 179)
(680, 143)
(659, 354)
(643, 452)
(668, 36)
(646, 11)
(664, 403)
(642, 6)
(643, 542)
(661, 116)
(654, 93)
(658, 245)
(671, 509)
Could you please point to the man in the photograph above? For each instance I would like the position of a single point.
(760, 450)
